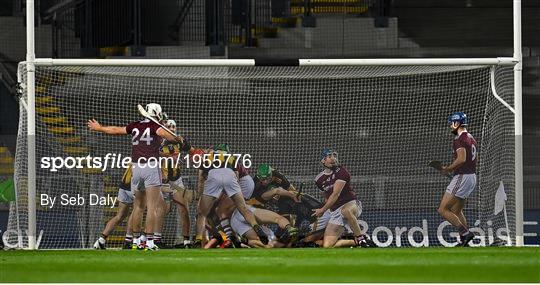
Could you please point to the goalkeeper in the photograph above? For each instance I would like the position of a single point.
(464, 149)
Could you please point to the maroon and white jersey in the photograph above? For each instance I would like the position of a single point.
(465, 140)
(145, 141)
(242, 171)
(326, 182)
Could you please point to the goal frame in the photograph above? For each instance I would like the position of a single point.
(31, 63)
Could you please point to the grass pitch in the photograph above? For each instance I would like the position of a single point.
(279, 265)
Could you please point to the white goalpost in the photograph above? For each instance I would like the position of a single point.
(518, 121)
(355, 75)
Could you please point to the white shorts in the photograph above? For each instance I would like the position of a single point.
(240, 226)
(239, 223)
(321, 222)
(125, 196)
(337, 217)
(247, 185)
(177, 184)
(187, 195)
(462, 185)
(144, 174)
(219, 180)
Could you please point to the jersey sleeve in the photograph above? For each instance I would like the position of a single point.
(258, 190)
(126, 179)
(457, 144)
(284, 182)
(343, 174)
(153, 128)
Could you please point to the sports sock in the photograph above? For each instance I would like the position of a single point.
(359, 239)
(226, 226)
(157, 237)
(136, 238)
(128, 238)
(149, 240)
(463, 231)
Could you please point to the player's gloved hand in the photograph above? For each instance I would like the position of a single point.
(445, 170)
(261, 234)
(290, 234)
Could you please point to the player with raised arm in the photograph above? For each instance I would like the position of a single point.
(463, 181)
(146, 141)
(222, 179)
(335, 182)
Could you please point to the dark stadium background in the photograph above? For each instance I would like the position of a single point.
(217, 29)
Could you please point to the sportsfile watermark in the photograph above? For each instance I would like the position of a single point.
(117, 161)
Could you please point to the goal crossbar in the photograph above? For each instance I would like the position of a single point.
(508, 61)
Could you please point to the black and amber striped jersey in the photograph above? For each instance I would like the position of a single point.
(278, 180)
(170, 171)
(125, 183)
(173, 148)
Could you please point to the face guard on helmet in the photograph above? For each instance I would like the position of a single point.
(326, 152)
(264, 171)
(456, 120)
(164, 118)
(171, 125)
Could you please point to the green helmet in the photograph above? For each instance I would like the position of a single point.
(222, 146)
(264, 171)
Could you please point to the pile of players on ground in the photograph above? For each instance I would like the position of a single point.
(236, 209)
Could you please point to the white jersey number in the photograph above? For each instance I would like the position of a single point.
(145, 136)
(473, 151)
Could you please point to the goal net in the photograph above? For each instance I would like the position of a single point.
(386, 123)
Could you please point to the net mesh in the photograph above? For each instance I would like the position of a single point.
(385, 122)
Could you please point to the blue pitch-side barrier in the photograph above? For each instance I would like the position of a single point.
(410, 229)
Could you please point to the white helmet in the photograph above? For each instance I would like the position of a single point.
(170, 124)
(154, 110)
